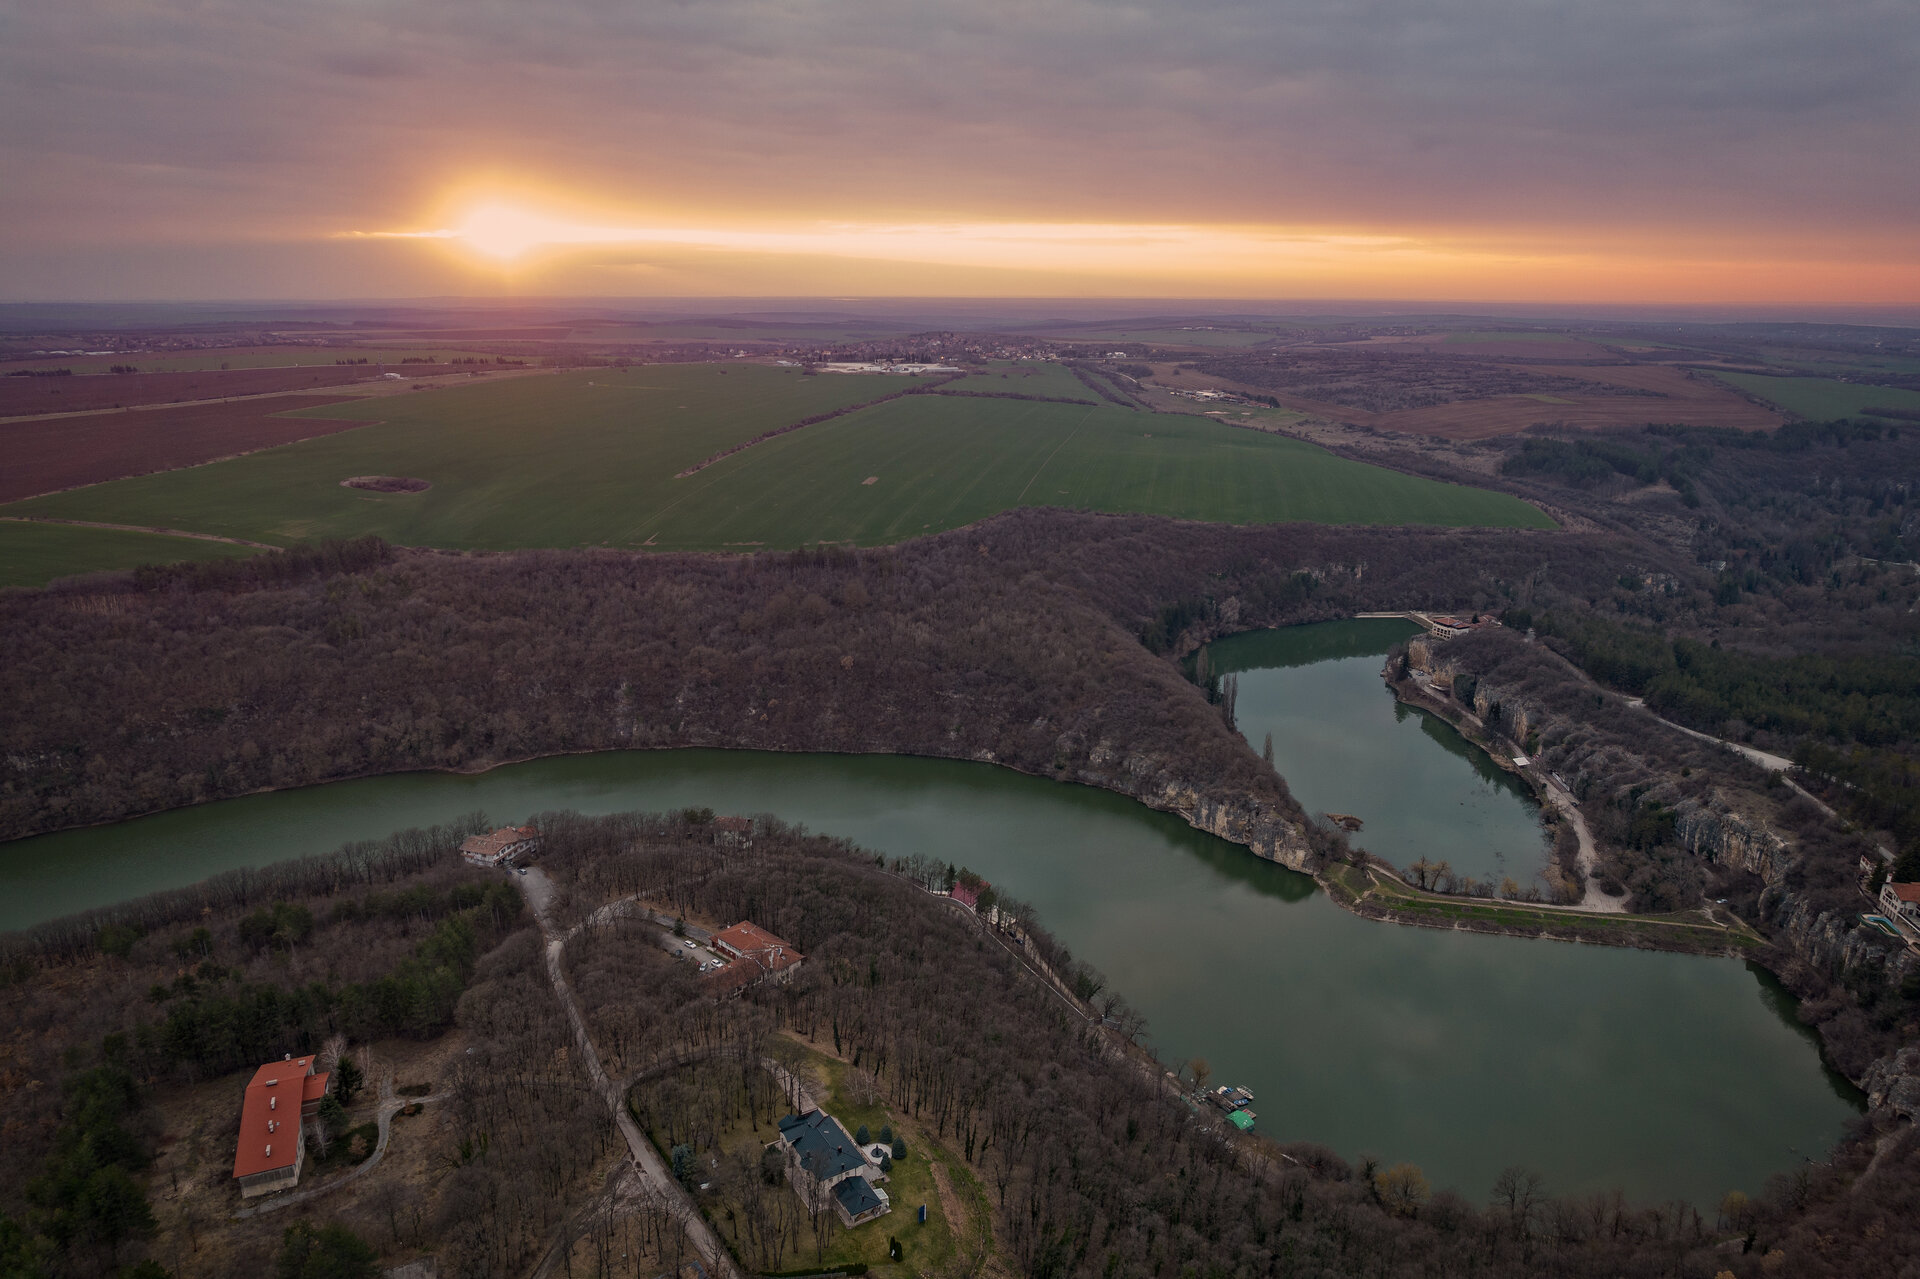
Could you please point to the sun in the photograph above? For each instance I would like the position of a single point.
(506, 232)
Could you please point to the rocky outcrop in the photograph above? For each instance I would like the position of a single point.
(1713, 830)
(1263, 827)
(1893, 1083)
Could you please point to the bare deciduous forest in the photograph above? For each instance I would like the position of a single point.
(1090, 1163)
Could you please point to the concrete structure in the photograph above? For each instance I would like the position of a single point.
(271, 1149)
(825, 1166)
(501, 847)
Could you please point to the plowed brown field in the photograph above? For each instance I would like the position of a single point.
(1697, 402)
(83, 393)
(66, 452)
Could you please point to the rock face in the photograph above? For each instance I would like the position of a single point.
(1259, 825)
(1711, 829)
(1893, 1083)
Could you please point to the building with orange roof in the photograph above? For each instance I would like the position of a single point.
(501, 847)
(272, 1149)
(754, 954)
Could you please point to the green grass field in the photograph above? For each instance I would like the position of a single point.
(1821, 399)
(1026, 377)
(34, 554)
(589, 458)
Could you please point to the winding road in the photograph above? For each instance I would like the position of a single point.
(539, 893)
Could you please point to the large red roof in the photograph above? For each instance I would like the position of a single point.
(270, 1115)
(1906, 892)
(748, 938)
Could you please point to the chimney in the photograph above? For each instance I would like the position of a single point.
(273, 1103)
(269, 1147)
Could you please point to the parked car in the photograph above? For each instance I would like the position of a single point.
(689, 943)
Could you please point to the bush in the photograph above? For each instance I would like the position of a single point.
(324, 1252)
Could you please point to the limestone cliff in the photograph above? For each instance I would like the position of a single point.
(1262, 826)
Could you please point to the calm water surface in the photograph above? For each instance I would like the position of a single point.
(1345, 744)
(1665, 1075)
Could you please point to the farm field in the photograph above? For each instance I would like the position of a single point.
(561, 460)
(1821, 399)
(47, 454)
(941, 462)
(30, 396)
(33, 554)
(1163, 337)
(1025, 377)
(590, 459)
(258, 357)
(1677, 398)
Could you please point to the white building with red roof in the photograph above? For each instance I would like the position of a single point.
(1901, 903)
(755, 955)
(271, 1151)
(501, 847)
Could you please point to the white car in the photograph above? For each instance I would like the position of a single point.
(689, 943)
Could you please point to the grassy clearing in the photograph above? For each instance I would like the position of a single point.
(33, 554)
(589, 458)
(927, 1248)
(1821, 399)
(1682, 931)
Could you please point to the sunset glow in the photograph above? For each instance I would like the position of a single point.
(1207, 149)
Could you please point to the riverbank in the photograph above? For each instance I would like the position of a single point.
(1374, 893)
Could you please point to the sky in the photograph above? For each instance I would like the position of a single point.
(1661, 151)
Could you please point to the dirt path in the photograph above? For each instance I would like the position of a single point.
(138, 528)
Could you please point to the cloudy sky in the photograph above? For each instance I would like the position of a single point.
(1754, 151)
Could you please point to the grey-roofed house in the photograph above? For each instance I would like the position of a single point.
(825, 1166)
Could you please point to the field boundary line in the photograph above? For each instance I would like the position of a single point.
(1056, 453)
(139, 528)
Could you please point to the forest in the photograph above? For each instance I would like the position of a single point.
(1090, 1164)
(1016, 641)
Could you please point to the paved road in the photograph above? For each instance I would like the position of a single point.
(539, 890)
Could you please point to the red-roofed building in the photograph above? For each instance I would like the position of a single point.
(1901, 902)
(271, 1151)
(501, 847)
(755, 953)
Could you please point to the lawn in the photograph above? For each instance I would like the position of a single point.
(1820, 399)
(926, 1247)
(590, 458)
(33, 554)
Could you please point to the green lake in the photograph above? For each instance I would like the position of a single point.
(1660, 1074)
(1345, 744)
